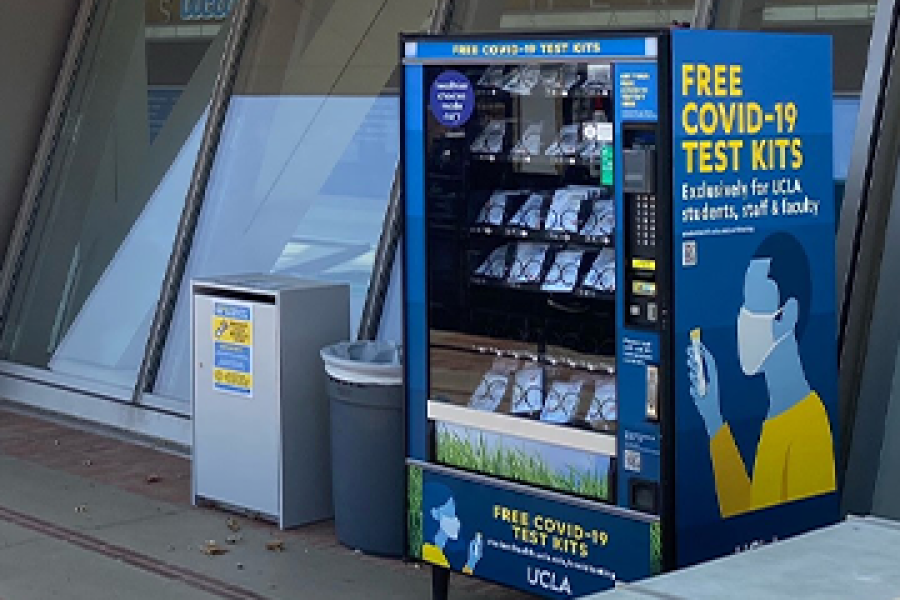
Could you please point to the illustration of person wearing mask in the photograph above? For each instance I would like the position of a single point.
(441, 525)
(795, 453)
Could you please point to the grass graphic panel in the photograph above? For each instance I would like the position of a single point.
(655, 549)
(414, 512)
(513, 463)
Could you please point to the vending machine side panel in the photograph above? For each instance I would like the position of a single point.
(754, 344)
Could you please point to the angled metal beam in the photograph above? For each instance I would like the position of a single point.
(704, 14)
(51, 134)
(868, 126)
(869, 431)
(393, 220)
(187, 226)
(867, 327)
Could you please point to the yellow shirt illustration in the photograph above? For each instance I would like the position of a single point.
(794, 460)
(436, 556)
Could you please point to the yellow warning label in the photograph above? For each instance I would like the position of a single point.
(232, 341)
(643, 264)
(235, 379)
(234, 331)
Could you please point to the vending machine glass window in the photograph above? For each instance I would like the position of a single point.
(521, 229)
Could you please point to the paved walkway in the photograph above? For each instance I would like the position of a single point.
(85, 516)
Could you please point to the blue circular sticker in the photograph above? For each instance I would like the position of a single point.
(452, 99)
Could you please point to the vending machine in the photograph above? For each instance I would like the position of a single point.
(619, 301)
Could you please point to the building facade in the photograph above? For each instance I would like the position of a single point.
(146, 144)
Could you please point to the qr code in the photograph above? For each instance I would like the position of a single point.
(632, 460)
(689, 253)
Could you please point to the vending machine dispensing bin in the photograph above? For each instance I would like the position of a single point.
(619, 301)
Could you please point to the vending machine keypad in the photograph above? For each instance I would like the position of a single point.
(641, 263)
(645, 213)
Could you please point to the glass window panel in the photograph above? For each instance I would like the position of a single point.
(846, 111)
(308, 153)
(847, 21)
(850, 25)
(97, 254)
(872, 407)
(494, 15)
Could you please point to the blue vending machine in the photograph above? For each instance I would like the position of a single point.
(619, 301)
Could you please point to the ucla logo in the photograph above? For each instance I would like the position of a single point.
(549, 581)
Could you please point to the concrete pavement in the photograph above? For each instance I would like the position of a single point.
(856, 558)
(91, 517)
(84, 516)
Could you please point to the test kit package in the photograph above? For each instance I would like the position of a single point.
(639, 227)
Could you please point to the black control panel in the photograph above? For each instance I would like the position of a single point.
(640, 202)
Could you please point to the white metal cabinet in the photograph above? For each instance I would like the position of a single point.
(261, 410)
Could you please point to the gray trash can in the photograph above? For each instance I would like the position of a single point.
(367, 455)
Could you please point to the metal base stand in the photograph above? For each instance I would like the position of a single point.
(440, 583)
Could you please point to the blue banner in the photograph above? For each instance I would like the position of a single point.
(514, 49)
(525, 541)
(754, 321)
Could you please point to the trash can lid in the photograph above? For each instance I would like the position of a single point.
(364, 362)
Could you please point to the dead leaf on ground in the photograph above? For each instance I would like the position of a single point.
(211, 548)
(275, 546)
(233, 524)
